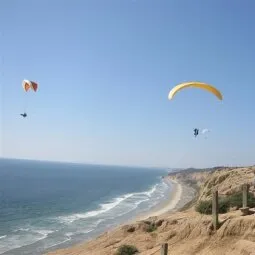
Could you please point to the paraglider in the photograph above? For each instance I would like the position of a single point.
(200, 85)
(28, 85)
(195, 84)
(203, 132)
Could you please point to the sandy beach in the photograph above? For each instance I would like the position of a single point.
(167, 206)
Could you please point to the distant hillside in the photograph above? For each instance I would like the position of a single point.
(227, 181)
(192, 170)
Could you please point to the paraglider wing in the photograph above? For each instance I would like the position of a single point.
(200, 85)
(26, 84)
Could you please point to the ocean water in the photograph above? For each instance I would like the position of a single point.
(45, 205)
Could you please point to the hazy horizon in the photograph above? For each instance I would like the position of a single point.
(124, 166)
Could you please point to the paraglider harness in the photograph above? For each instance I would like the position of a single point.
(24, 115)
(196, 132)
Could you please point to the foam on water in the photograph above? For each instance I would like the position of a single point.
(128, 202)
(58, 243)
(22, 237)
(103, 208)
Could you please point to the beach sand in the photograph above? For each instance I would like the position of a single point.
(167, 206)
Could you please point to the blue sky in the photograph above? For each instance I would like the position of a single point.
(104, 70)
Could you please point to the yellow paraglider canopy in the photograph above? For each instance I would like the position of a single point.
(195, 84)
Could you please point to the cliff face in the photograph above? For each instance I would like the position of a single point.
(227, 181)
(190, 177)
(188, 232)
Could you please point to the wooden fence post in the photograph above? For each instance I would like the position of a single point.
(245, 209)
(215, 209)
(164, 249)
(245, 194)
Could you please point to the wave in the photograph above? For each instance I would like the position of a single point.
(153, 189)
(21, 229)
(103, 208)
(120, 205)
(22, 237)
(34, 230)
(61, 242)
(132, 208)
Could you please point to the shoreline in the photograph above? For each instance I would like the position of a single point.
(180, 195)
(167, 206)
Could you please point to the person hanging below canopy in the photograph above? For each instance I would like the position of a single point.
(24, 115)
(196, 131)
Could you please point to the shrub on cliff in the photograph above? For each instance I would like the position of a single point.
(234, 200)
(205, 207)
(126, 250)
(150, 228)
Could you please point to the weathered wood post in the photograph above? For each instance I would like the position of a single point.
(215, 209)
(164, 249)
(245, 208)
(245, 194)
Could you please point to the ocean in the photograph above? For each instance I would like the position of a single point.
(46, 205)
